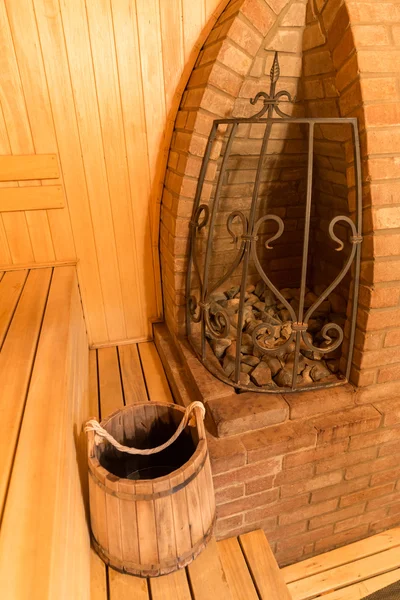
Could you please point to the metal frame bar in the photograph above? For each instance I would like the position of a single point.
(218, 326)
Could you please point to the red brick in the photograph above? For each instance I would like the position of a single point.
(387, 523)
(225, 455)
(315, 483)
(319, 453)
(339, 490)
(224, 526)
(370, 35)
(258, 14)
(278, 440)
(389, 374)
(307, 512)
(386, 477)
(377, 392)
(392, 338)
(307, 404)
(374, 439)
(395, 509)
(373, 466)
(259, 485)
(346, 423)
(375, 297)
(383, 168)
(225, 80)
(245, 36)
(346, 460)
(389, 449)
(339, 539)
(291, 475)
(234, 58)
(390, 409)
(229, 493)
(288, 531)
(276, 509)
(336, 516)
(376, 358)
(243, 504)
(379, 502)
(248, 472)
(378, 88)
(305, 538)
(313, 36)
(387, 217)
(366, 494)
(287, 41)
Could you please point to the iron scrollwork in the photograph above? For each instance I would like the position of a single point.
(244, 232)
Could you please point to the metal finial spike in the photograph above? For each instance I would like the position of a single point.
(275, 70)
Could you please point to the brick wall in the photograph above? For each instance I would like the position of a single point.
(350, 66)
(312, 483)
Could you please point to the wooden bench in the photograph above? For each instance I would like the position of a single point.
(44, 539)
(347, 573)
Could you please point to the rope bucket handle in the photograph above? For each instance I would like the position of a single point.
(101, 434)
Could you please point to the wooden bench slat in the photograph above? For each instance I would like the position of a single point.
(263, 566)
(132, 375)
(156, 381)
(111, 398)
(43, 528)
(10, 290)
(98, 577)
(93, 385)
(340, 556)
(236, 571)
(126, 587)
(43, 197)
(345, 575)
(207, 577)
(16, 363)
(364, 588)
(22, 167)
(170, 587)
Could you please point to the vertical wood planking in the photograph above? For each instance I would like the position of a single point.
(19, 132)
(33, 80)
(133, 110)
(98, 83)
(57, 73)
(86, 101)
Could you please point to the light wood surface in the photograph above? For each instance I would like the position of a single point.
(347, 573)
(236, 570)
(170, 587)
(263, 566)
(16, 362)
(44, 540)
(98, 84)
(341, 556)
(11, 286)
(157, 384)
(31, 198)
(207, 577)
(31, 166)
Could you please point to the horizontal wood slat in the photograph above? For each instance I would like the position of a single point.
(28, 166)
(31, 198)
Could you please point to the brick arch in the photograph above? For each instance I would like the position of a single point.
(335, 57)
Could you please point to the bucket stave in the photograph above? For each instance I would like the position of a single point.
(150, 527)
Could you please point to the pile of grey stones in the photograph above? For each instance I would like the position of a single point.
(274, 368)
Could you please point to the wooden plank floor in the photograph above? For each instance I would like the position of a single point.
(238, 568)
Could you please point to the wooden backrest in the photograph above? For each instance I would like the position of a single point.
(44, 536)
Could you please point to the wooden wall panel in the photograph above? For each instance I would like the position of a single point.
(98, 83)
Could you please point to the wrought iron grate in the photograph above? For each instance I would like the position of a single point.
(204, 324)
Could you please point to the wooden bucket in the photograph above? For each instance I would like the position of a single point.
(150, 527)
